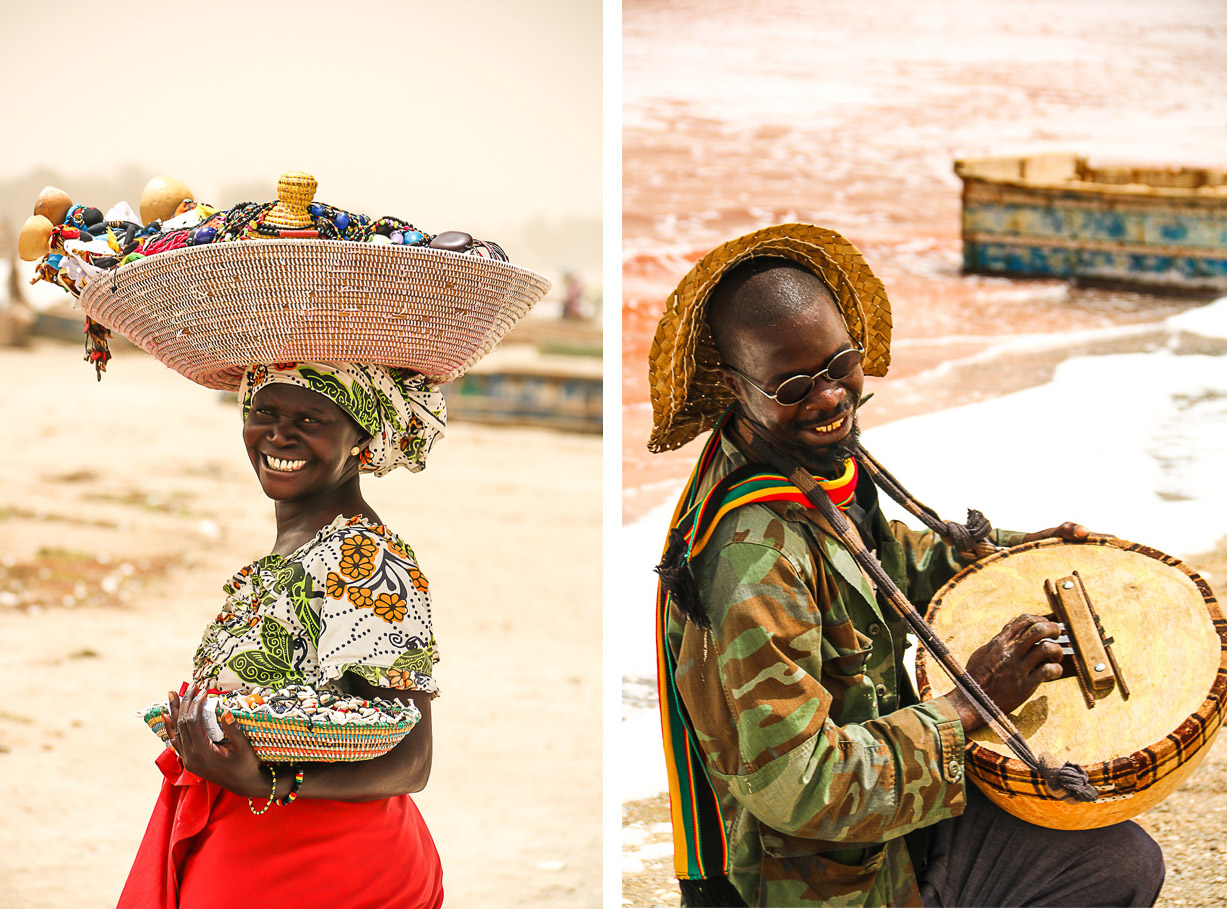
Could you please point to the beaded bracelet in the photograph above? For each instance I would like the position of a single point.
(272, 796)
(294, 787)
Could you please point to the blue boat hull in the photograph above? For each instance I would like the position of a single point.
(1154, 240)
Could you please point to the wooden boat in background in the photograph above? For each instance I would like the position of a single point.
(520, 385)
(1056, 216)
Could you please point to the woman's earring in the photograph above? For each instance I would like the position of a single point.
(355, 450)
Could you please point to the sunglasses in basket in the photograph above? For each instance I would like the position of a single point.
(795, 389)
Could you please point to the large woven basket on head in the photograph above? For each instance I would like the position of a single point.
(1138, 717)
(292, 739)
(209, 312)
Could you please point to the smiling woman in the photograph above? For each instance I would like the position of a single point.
(289, 430)
(342, 602)
(330, 633)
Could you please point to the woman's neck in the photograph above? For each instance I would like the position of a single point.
(298, 522)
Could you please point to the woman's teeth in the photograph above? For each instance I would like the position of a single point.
(284, 466)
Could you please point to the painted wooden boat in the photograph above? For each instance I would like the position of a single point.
(1056, 216)
(518, 386)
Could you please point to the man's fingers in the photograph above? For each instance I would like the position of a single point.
(1026, 629)
(1045, 652)
(1073, 532)
(1020, 623)
(1070, 531)
(1047, 672)
(1038, 631)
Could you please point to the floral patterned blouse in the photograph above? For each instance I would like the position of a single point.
(352, 599)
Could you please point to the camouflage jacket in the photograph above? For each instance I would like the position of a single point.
(813, 737)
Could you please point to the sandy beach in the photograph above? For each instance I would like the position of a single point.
(125, 504)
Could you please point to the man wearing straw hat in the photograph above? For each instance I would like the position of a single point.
(802, 769)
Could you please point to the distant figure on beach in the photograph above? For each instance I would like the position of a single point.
(572, 296)
(803, 769)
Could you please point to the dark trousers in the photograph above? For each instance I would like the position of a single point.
(986, 857)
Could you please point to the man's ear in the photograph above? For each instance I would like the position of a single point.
(727, 376)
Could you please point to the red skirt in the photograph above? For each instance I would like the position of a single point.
(204, 847)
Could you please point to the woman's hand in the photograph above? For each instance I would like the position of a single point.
(231, 763)
(1069, 531)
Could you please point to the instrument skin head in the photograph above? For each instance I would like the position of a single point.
(1138, 742)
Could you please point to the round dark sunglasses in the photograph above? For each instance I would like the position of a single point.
(795, 389)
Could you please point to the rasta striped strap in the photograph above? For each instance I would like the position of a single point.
(754, 483)
(700, 847)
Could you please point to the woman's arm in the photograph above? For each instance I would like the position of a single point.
(233, 764)
(405, 768)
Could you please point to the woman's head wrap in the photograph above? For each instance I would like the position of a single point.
(401, 411)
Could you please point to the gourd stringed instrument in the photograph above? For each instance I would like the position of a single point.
(1145, 683)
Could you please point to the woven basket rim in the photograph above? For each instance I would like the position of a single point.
(1209, 716)
(446, 255)
(688, 395)
(434, 311)
(328, 742)
(255, 718)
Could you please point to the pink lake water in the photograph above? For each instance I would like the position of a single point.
(738, 115)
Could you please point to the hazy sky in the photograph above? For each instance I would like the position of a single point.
(453, 115)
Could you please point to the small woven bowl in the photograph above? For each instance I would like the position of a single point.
(294, 739)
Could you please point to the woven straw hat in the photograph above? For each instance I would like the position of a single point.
(210, 311)
(688, 395)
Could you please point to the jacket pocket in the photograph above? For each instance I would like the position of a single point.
(799, 871)
(847, 662)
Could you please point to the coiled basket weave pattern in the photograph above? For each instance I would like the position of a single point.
(294, 739)
(209, 312)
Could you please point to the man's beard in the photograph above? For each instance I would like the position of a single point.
(828, 461)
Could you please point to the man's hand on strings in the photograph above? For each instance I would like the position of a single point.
(1011, 666)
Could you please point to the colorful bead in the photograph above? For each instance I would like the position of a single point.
(272, 796)
(452, 240)
(294, 787)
